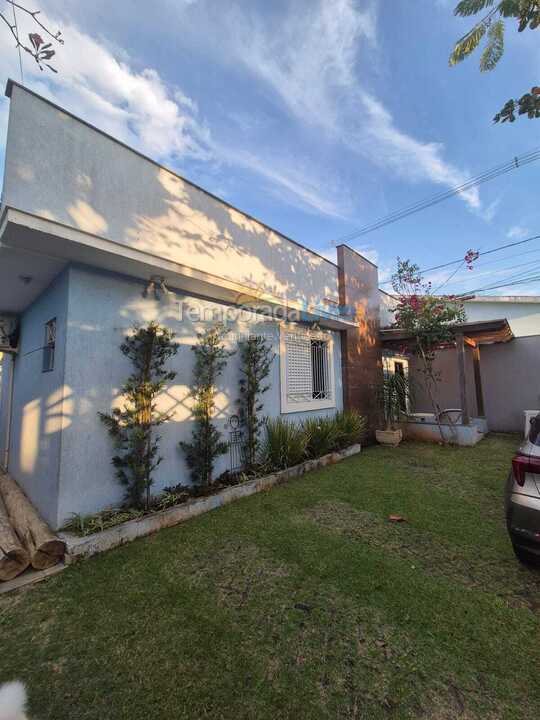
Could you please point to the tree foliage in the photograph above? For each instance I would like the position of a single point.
(41, 51)
(131, 426)
(206, 444)
(428, 318)
(491, 26)
(256, 359)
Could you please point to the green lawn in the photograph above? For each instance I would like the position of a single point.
(301, 602)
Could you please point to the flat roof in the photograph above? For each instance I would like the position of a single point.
(9, 87)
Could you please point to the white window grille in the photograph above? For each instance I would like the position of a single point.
(307, 373)
(49, 346)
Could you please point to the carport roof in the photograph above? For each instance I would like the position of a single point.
(483, 332)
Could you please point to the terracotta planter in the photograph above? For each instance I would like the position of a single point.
(389, 437)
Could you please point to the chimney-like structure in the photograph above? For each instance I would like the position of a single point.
(361, 348)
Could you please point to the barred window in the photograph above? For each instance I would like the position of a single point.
(49, 346)
(307, 377)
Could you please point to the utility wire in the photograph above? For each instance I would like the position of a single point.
(19, 45)
(514, 164)
(486, 252)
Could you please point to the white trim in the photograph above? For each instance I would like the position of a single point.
(287, 406)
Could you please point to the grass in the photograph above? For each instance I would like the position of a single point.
(302, 602)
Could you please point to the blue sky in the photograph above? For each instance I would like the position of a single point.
(316, 116)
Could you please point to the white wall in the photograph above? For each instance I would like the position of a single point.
(523, 314)
(40, 406)
(102, 309)
(59, 168)
(387, 305)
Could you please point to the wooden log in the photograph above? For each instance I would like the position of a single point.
(44, 548)
(14, 559)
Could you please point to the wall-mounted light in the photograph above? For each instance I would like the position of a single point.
(26, 279)
(156, 287)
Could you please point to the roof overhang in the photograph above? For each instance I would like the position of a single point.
(484, 332)
(46, 246)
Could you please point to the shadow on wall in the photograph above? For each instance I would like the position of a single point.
(142, 205)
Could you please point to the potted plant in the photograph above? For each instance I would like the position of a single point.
(393, 395)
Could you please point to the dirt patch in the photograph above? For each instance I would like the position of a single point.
(236, 574)
(473, 568)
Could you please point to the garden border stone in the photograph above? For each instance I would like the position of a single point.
(78, 548)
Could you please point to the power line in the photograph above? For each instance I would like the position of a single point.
(481, 254)
(524, 281)
(470, 184)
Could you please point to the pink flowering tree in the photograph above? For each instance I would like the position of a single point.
(41, 50)
(428, 318)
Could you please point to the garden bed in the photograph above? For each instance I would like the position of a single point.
(80, 547)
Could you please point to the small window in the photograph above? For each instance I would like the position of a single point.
(49, 346)
(307, 376)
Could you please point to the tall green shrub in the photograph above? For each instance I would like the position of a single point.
(206, 444)
(285, 444)
(256, 358)
(132, 425)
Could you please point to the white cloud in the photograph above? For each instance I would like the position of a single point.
(517, 232)
(292, 182)
(135, 106)
(414, 160)
(312, 63)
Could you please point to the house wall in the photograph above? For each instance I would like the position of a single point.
(102, 309)
(60, 168)
(448, 394)
(40, 404)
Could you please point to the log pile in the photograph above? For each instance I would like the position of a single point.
(25, 539)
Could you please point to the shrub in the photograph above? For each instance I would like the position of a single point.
(322, 434)
(256, 359)
(351, 428)
(285, 444)
(206, 444)
(132, 426)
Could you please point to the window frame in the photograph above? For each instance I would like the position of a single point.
(49, 348)
(289, 406)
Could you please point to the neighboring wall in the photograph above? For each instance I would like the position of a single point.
(102, 309)
(522, 313)
(59, 168)
(511, 379)
(40, 406)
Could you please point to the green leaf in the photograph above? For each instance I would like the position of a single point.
(467, 44)
(495, 47)
(465, 8)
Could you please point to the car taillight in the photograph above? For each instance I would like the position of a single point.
(522, 464)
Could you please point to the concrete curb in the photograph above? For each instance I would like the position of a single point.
(78, 548)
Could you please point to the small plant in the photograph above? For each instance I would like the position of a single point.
(351, 428)
(322, 434)
(256, 359)
(206, 445)
(89, 524)
(285, 444)
(393, 395)
(131, 427)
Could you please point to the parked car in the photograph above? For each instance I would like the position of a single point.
(523, 498)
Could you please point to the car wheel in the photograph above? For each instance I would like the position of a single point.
(526, 557)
